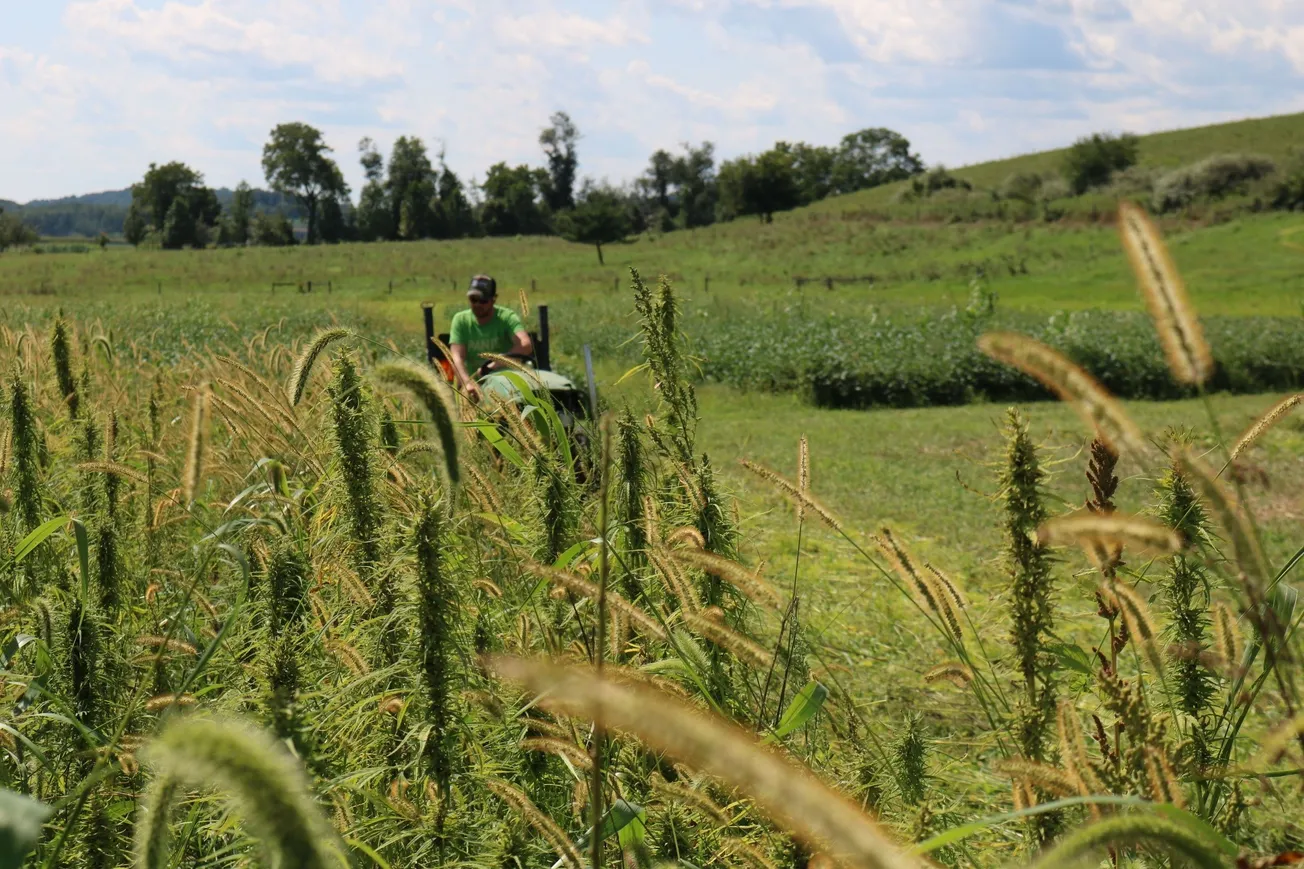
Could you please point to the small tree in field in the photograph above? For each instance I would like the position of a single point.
(295, 163)
(14, 232)
(600, 217)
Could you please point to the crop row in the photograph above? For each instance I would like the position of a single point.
(930, 357)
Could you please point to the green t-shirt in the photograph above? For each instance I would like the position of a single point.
(493, 337)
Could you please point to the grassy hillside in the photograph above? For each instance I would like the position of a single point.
(1250, 265)
(1277, 137)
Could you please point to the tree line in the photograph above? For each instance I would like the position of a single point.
(413, 194)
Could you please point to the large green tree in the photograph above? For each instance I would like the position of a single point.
(558, 141)
(512, 201)
(172, 201)
(872, 157)
(759, 185)
(374, 218)
(296, 164)
(410, 189)
(600, 216)
(454, 216)
(679, 190)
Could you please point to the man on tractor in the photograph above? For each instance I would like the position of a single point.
(485, 328)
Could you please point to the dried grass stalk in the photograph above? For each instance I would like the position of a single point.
(756, 589)
(1245, 542)
(1096, 532)
(197, 444)
(556, 837)
(742, 647)
(1044, 776)
(822, 818)
(1165, 295)
(1092, 402)
(615, 601)
(1138, 619)
(803, 500)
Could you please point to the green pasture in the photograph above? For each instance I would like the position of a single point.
(1249, 265)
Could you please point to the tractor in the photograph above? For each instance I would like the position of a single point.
(523, 387)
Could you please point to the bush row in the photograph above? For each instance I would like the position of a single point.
(860, 362)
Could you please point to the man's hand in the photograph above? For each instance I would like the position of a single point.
(473, 393)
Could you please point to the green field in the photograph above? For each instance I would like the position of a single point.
(361, 709)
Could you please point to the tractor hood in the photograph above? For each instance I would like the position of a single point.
(502, 388)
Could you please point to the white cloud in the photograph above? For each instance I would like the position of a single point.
(126, 82)
(564, 30)
(283, 33)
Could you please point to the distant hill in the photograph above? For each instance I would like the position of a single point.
(1278, 137)
(92, 213)
(108, 197)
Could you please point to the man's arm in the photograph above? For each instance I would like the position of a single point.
(471, 388)
(521, 343)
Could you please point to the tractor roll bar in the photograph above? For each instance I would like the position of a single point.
(542, 345)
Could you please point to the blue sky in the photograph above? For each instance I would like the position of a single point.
(92, 91)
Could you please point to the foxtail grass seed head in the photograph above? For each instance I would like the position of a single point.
(264, 783)
(1138, 619)
(303, 365)
(1125, 831)
(196, 445)
(615, 601)
(1265, 422)
(802, 500)
(1165, 294)
(544, 825)
(435, 397)
(1092, 531)
(743, 648)
(1092, 402)
(803, 473)
(1227, 640)
(1048, 778)
(748, 583)
(790, 794)
(954, 672)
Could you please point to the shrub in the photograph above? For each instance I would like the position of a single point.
(1092, 161)
(1134, 180)
(931, 182)
(1210, 178)
(1022, 186)
(272, 230)
(1288, 193)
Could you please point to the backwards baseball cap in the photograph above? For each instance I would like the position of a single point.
(482, 288)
